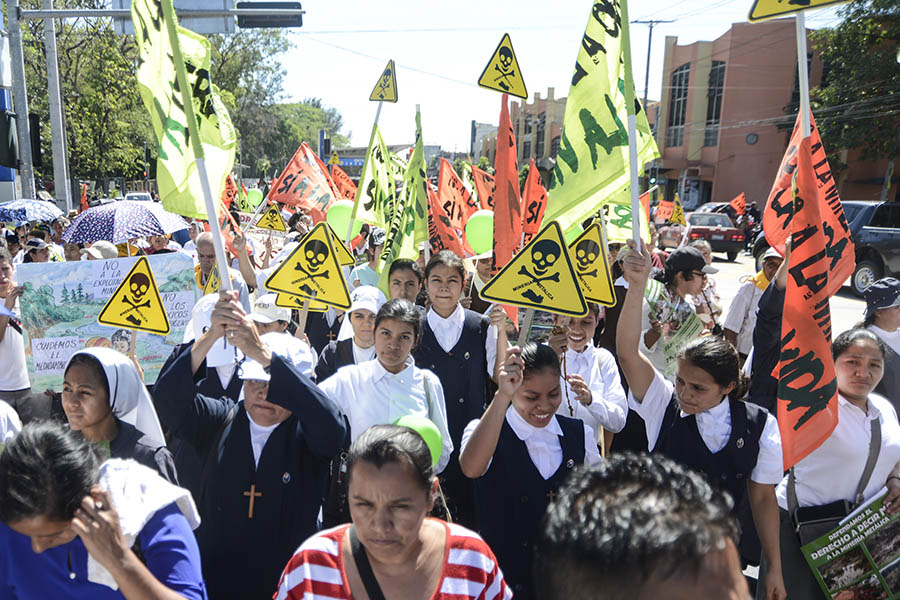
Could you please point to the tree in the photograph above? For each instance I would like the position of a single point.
(79, 293)
(857, 107)
(65, 295)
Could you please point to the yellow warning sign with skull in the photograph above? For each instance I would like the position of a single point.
(592, 266)
(289, 301)
(502, 72)
(272, 219)
(313, 270)
(540, 276)
(677, 213)
(344, 256)
(386, 88)
(136, 303)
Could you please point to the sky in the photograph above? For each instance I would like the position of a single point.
(441, 48)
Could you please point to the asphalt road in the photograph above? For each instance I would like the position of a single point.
(846, 309)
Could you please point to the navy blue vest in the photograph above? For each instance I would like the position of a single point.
(512, 497)
(464, 378)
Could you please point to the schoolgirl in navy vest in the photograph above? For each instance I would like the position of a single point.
(460, 347)
(518, 453)
(699, 421)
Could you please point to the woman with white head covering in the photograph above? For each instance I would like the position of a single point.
(105, 399)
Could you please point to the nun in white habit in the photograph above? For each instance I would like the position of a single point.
(105, 399)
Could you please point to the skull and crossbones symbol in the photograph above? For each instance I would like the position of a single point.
(315, 252)
(504, 68)
(586, 252)
(138, 285)
(385, 83)
(544, 255)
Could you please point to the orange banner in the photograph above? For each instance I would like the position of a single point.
(779, 211)
(84, 201)
(228, 226)
(807, 386)
(739, 204)
(664, 210)
(229, 193)
(456, 200)
(484, 186)
(644, 199)
(441, 234)
(507, 203)
(345, 186)
(304, 182)
(534, 203)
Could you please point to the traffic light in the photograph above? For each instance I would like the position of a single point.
(34, 130)
(654, 175)
(263, 20)
(326, 149)
(9, 143)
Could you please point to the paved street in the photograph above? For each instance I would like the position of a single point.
(846, 309)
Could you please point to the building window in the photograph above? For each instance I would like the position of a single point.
(678, 105)
(554, 147)
(526, 151)
(527, 124)
(539, 142)
(714, 103)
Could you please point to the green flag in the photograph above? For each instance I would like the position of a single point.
(592, 164)
(376, 185)
(176, 169)
(408, 226)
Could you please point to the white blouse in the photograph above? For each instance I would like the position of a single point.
(608, 408)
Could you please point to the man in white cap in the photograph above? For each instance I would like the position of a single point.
(367, 273)
(741, 317)
(273, 321)
(206, 260)
(268, 455)
(100, 250)
(356, 340)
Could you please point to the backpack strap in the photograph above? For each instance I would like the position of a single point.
(363, 566)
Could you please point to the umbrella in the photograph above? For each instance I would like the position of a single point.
(29, 210)
(120, 221)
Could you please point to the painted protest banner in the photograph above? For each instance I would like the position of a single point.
(61, 302)
(860, 558)
(678, 322)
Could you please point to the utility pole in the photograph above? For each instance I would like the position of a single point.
(20, 99)
(651, 24)
(61, 184)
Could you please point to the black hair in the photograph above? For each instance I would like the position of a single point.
(720, 359)
(868, 321)
(842, 342)
(295, 218)
(594, 309)
(627, 520)
(383, 444)
(91, 361)
(46, 470)
(406, 263)
(667, 275)
(538, 357)
(402, 311)
(446, 258)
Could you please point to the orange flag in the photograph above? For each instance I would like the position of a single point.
(779, 211)
(305, 182)
(507, 203)
(228, 226)
(84, 203)
(229, 193)
(345, 186)
(739, 204)
(484, 186)
(455, 199)
(645, 202)
(664, 210)
(441, 234)
(807, 386)
(534, 203)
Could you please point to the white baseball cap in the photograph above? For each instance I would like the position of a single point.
(101, 250)
(366, 297)
(265, 311)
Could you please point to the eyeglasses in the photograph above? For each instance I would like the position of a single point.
(699, 273)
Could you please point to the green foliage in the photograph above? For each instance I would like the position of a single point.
(857, 106)
(523, 175)
(178, 282)
(485, 165)
(40, 311)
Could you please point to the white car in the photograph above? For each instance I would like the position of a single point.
(145, 196)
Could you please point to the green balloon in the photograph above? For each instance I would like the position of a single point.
(480, 231)
(254, 197)
(338, 216)
(573, 233)
(429, 432)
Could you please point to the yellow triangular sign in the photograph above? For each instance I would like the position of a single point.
(272, 219)
(290, 301)
(386, 88)
(212, 282)
(136, 303)
(769, 9)
(335, 159)
(677, 213)
(592, 266)
(502, 72)
(344, 256)
(540, 276)
(312, 269)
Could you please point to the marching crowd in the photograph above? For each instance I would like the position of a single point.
(406, 449)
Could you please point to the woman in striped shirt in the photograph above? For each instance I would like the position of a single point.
(391, 550)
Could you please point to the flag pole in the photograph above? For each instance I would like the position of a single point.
(632, 127)
(194, 132)
(362, 176)
(802, 73)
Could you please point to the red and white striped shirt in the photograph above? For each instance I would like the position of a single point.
(470, 571)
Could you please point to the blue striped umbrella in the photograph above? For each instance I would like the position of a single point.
(120, 221)
(29, 210)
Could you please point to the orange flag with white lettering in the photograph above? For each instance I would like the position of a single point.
(807, 385)
(458, 203)
(304, 182)
(441, 234)
(739, 204)
(484, 187)
(229, 192)
(507, 203)
(534, 203)
(345, 186)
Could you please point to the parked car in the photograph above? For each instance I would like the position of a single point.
(875, 231)
(96, 201)
(718, 230)
(144, 196)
